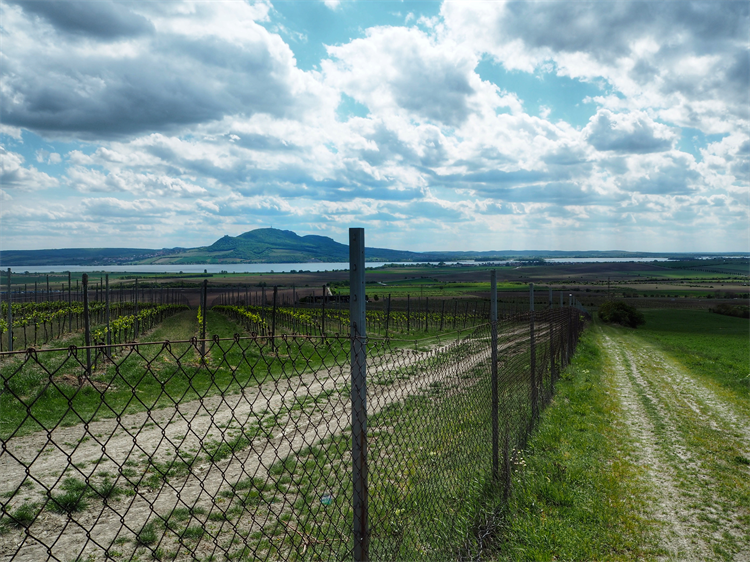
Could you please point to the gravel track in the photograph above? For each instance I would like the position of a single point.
(664, 404)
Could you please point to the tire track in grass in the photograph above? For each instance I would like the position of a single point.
(667, 501)
(689, 436)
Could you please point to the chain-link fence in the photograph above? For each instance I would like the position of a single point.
(241, 449)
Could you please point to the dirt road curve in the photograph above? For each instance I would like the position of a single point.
(690, 436)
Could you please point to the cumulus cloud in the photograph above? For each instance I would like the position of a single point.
(101, 19)
(163, 73)
(13, 174)
(628, 133)
(189, 120)
(687, 59)
(403, 71)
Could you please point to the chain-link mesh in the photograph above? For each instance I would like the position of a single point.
(243, 451)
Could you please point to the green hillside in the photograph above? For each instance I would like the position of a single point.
(271, 245)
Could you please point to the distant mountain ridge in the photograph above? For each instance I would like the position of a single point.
(272, 245)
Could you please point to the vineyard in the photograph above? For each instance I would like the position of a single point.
(175, 432)
(38, 324)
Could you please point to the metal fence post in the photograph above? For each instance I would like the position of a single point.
(86, 326)
(203, 317)
(570, 327)
(109, 336)
(495, 397)
(135, 322)
(359, 391)
(388, 315)
(552, 366)
(532, 359)
(322, 313)
(70, 303)
(273, 319)
(408, 315)
(10, 315)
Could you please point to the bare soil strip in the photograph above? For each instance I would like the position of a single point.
(674, 418)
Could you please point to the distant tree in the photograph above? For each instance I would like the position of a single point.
(618, 312)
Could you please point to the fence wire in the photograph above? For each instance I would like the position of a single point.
(243, 452)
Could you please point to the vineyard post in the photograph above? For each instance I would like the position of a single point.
(495, 397)
(48, 299)
(442, 315)
(36, 296)
(86, 327)
(25, 291)
(552, 367)
(323, 314)
(357, 319)
(10, 315)
(135, 323)
(387, 315)
(408, 315)
(109, 338)
(570, 326)
(426, 313)
(532, 359)
(204, 300)
(70, 304)
(550, 297)
(466, 313)
(273, 319)
(294, 296)
(455, 312)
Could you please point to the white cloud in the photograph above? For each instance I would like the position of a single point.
(686, 60)
(13, 175)
(186, 64)
(632, 132)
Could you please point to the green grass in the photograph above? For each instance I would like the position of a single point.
(575, 497)
(711, 345)
(154, 375)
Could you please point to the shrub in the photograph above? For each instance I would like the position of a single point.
(739, 311)
(618, 312)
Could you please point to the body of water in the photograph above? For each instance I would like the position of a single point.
(277, 267)
(206, 268)
(604, 260)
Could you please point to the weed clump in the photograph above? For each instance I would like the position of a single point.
(618, 312)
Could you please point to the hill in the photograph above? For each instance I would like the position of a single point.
(271, 245)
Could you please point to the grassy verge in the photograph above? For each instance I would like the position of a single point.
(575, 496)
(711, 345)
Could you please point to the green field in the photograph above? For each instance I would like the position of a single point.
(713, 345)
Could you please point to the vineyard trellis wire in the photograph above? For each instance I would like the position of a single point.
(244, 450)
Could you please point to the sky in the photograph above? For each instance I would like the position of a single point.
(460, 125)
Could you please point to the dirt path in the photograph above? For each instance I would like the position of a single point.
(687, 437)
